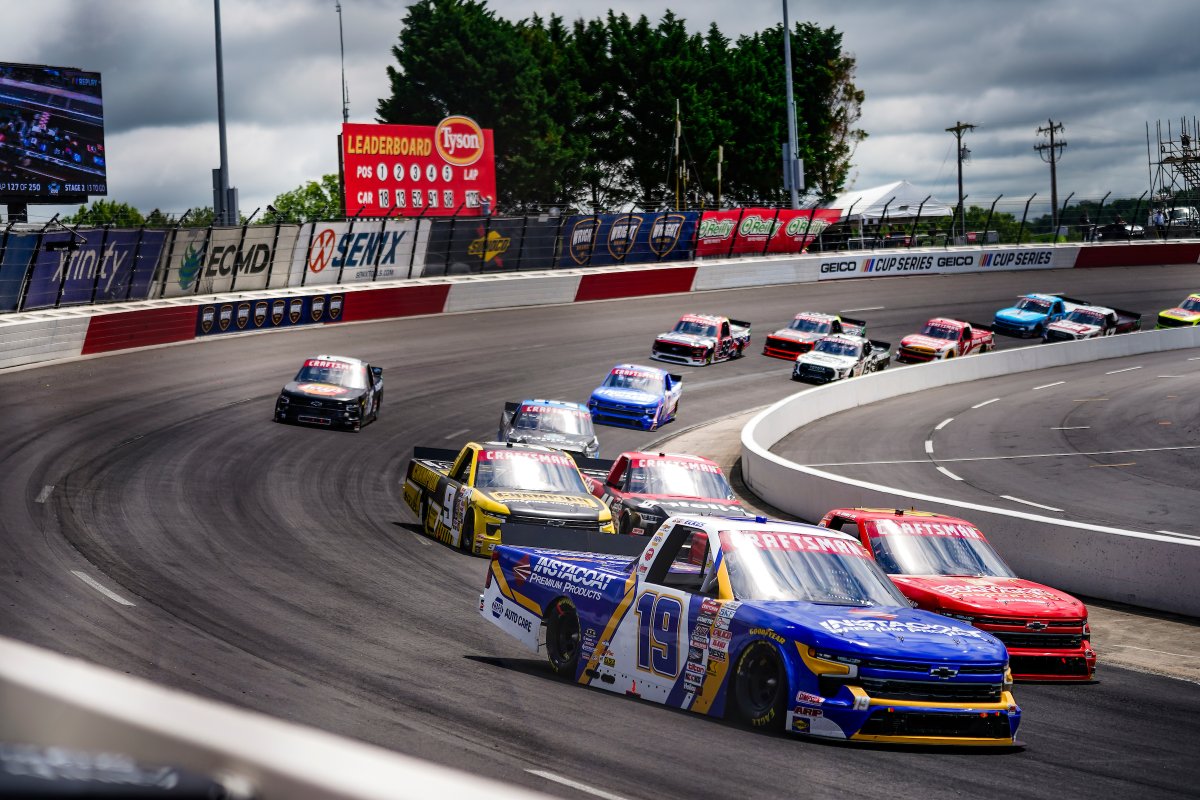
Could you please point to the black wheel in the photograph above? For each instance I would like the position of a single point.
(1039, 331)
(760, 689)
(466, 541)
(562, 637)
(625, 524)
(708, 357)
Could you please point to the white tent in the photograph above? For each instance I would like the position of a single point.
(901, 199)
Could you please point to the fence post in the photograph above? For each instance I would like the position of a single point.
(771, 231)
(1021, 230)
(987, 225)
(137, 256)
(912, 236)
(237, 257)
(736, 228)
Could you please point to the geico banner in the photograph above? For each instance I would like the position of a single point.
(945, 263)
(353, 252)
(243, 316)
(106, 265)
(14, 263)
(761, 230)
(597, 240)
(418, 170)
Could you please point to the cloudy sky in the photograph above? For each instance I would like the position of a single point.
(1104, 69)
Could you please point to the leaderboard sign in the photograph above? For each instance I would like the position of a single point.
(418, 170)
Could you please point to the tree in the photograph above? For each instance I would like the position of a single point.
(107, 212)
(315, 200)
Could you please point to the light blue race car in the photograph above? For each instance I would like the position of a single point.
(636, 397)
(1032, 313)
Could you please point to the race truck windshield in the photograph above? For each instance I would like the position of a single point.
(795, 566)
(336, 373)
(1085, 316)
(695, 327)
(547, 419)
(679, 478)
(1033, 304)
(810, 325)
(1191, 304)
(634, 379)
(923, 548)
(527, 471)
(940, 332)
(835, 348)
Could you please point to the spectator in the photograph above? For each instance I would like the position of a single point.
(1086, 227)
(1160, 223)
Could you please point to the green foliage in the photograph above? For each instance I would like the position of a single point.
(587, 114)
(315, 200)
(107, 212)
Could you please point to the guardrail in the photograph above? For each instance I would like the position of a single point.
(1143, 569)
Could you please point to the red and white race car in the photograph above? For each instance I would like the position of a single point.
(702, 339)
(805, 328)
(643, 489)
(943, 338)
(945, 564)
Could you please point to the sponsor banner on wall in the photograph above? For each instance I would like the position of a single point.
(945, 263)
(355, 251)
(216, 260)
(761, 230)
(596, 240)
(106, 265)
(18, 252)
(418, 170)
(242, 316)
(478, 244)
(184, 258)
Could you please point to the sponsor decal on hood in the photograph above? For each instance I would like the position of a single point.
(917, 340)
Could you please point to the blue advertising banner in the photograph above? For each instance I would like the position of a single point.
(18, 250)
(598, 240)
(242, 316)
(106, 265)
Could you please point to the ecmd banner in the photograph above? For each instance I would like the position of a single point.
(106, 265)
(598, 240)
(18, 251)
(267, 314)
(761, 230)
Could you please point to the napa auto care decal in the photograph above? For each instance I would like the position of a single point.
(418, 170)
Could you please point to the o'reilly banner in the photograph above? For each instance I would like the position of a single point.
(746, 231)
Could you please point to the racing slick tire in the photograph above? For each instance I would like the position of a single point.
(625, 524)
(466, 539)
(760, 687)
(709, 356)
(562, 637)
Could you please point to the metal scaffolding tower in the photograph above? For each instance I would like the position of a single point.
(1175, 163)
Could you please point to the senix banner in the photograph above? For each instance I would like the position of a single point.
(18, 252)
(596, 240)
(418, 170)
(105, 265)
(761, 230)
(244, 316)
(354, 251)
(941, 262)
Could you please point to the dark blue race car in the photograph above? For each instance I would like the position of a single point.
(637, 397)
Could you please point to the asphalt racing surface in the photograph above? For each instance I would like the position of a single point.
(156, 521)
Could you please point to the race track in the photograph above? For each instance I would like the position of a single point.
(275, 567)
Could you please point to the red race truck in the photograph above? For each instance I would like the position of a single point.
(943, 338)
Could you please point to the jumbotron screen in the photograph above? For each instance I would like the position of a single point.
(51, 134)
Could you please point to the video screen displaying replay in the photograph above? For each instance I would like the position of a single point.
(51, 133)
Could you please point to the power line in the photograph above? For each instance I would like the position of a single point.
(1051, 152)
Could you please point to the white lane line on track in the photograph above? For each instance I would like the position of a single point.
(1150, 650)
(1127, 369)
(1072, 428)
(948, 474)
(44, 495)
(1030, 503)
(1172, 376)
(92, 582)
(868, 308)
(1010, 458)
(944, 423)
(929, 446)
(582, 787)
(1195, 358)
(986, 403)
(457, 434)
(1176, 533)
(1048, 385)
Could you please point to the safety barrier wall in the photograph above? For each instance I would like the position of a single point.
(1144, 569)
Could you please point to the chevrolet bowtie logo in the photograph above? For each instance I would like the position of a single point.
(945, 673)
(1036, 626)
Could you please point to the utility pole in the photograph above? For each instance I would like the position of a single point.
(225, 204)
(1051, 153)
(963, 153)
(342, 42)
(792, 171)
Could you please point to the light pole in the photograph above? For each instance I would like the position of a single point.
(225, 206)
(958, 130)
(791, 174)
(342, 42)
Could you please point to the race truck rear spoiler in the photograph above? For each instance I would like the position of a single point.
(852, 326)
(551, 538)
(1075, 300)
(1122, 313)
(878, 345)
(741, 323)
(434, 454)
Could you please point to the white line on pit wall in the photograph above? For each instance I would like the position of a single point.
(985, 402)
(948, 474)
(944, 423)
(853, 310)
(92, 582)
(1127, 369)
(1030, 503)
(582, 787)
(1048, 385)
(929, 446)
(44, 495)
